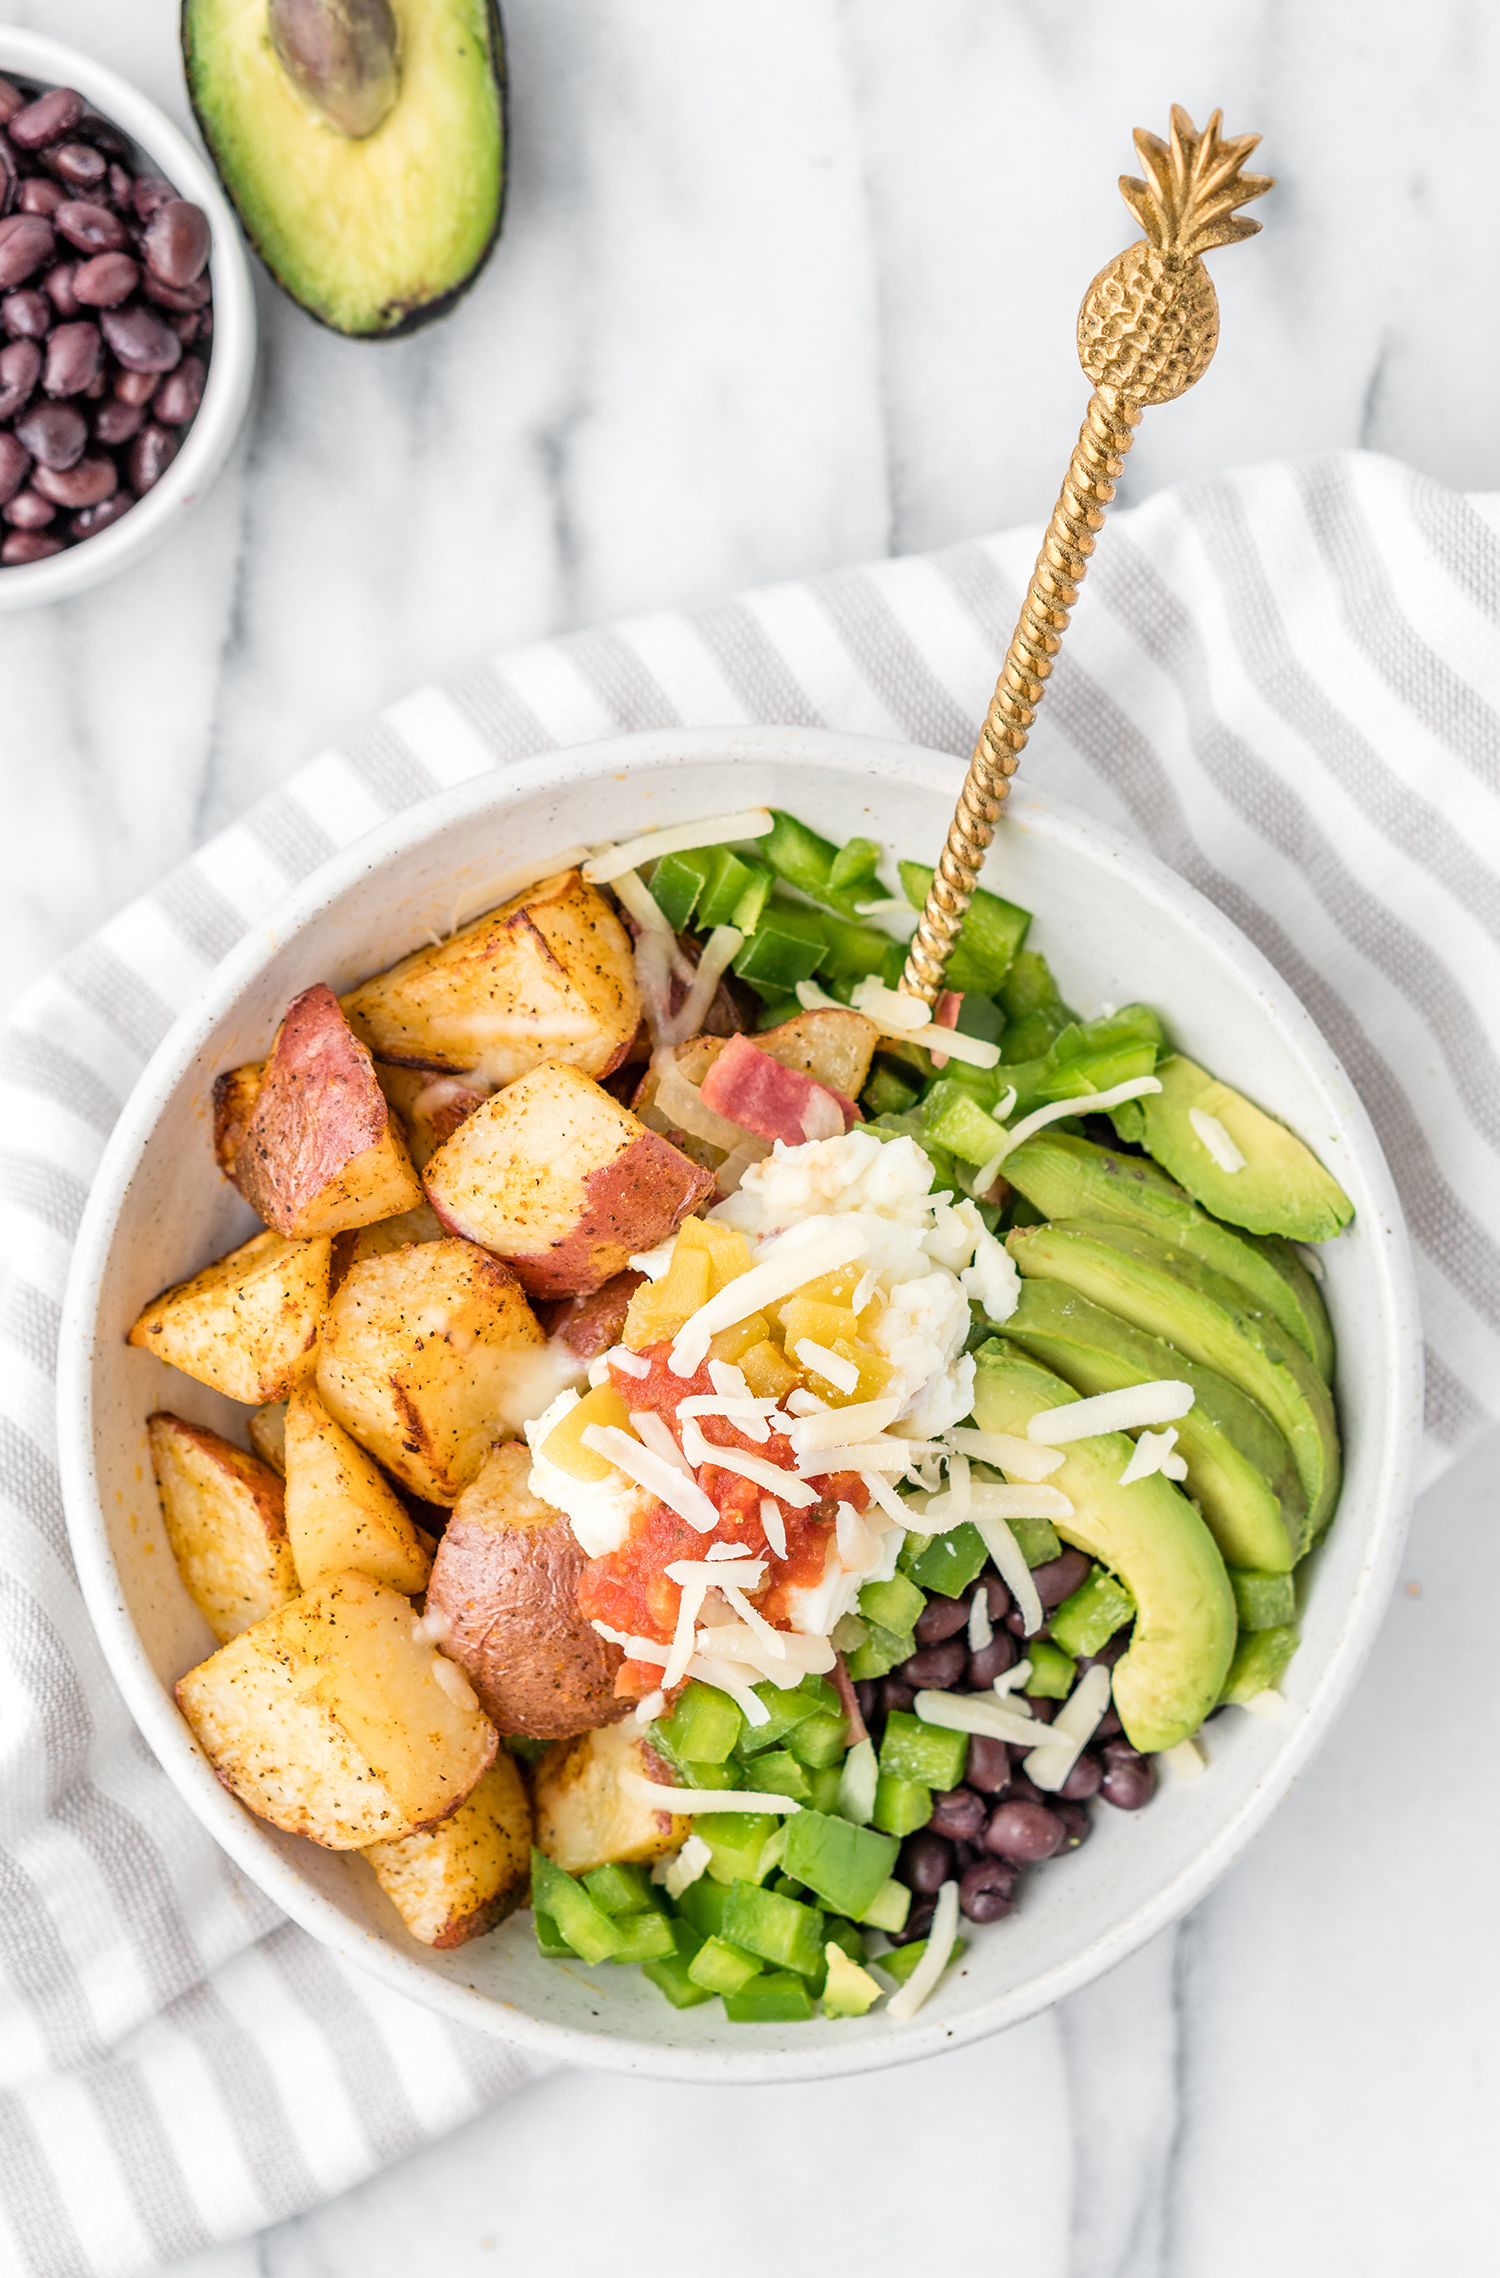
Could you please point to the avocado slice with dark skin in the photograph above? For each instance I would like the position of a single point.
(1150, 1536)
(363, 143)
(1240, 1469)
(1069, 1177)
(1281, 1187)
(1203, 1315)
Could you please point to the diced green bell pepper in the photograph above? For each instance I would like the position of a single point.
(704, 1727)
(775, 1010)
(799, 855)
(958, 1122)
(885, 1092)
(902, 1960)
(735, 1842)
(550, 1941)
(786, 947)
(847, 1935)
(676, 884)
(1052, 1670)
(670, 1975)
(728, 876)
(620, 1888)
(701, 1906)
(824, 1781)
(892, 1605)
(1037, 1539)
(819, 1742)
(754, 896)
(722, 1967)
(846, 1866)
(882, 1651)
(1263, 1601)
(980, 1016)
(854, 951)
(929, 1753)
(645, 1938)
(779, 1773)
(1259, 1664)
(789, 1706)
(988, 939)
(889, 1907)
(1034, 1010)
(576, 1916)
(1089, 1618)
(950, 1562)
(782, 1931)
(774, 1998)
(901, 1806)
(854, 866)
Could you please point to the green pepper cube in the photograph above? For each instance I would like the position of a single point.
(585, 1925)
(1263, 1601)
(988, 940)
(1098, 1071)
(882, 1651)
(847, 1936)
(1089, 1618)
(854, 951)
(722, 1967)
(889, 1907)
(787, 1707)
(1052, 1670)
(782, 1931)
(901, 1806)
(773, 1998)
(646, 1938)
(799, 855)
(950, 1562)
(845, 1865)
(885, 1092)
(550, 1940)
(820, 1741)
(1037, 1540)
(927, 1753)
(728, 876)
(670, 1975)
(735, 1842)
(1029, 989)
(753, 899)
(854, 867)
(676, 883)
(962, 1123)
(701, 1906)
(703, 1727)
(620, 1888)
(902, 1960)
(825, 1782)
(696, 1775)
(893, 1605)
(786, 947)
(778, 1773)
(1259, 1664)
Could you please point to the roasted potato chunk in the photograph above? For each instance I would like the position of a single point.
(548, 975)
(431, 1107)
(235, 1095)
(320, 1150)
(504, 1589)
(584, 1817)
(342, 1513)
(461, 1878)
(248, 1324)
(419, 1225)
(562, 1181)
(588, 1326)
(268, 1435)
(423, 1356)
(224, 1520)
(337, 1719)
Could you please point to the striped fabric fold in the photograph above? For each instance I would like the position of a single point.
(1285, 683)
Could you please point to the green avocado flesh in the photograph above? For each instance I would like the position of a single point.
(1150, 1536)
(1282, 1187)
(1069, 1177)
(374, 236)
(1240, 1469)
(1203, 1315)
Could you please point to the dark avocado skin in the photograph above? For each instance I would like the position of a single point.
(429, 312)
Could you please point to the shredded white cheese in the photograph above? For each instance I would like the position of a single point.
(866, 1455)
(1082, 1102)
(842, 1374)
(1186, 1761)
(857, 1548)
(653, 1706)
(856, 1800)
(776, 1277)
(713, 962)
(941, 1939)
(687, 1867)
(651, 1471)
(1076, 1721)
(1010, 1563)
(828, 1427)
(454, 1683)
(1005, 1451)
(656, 1433)
(688, 1803)
(606, 867)
(1212, 1136)
(1270, 1704)
(653, 1264)
(1154, 1452)
(700, 1451)
(636, 1648)
(981, 1628)
(1159, 1402)
(972, 1049)
(997, 1719)
(774, 1524)
(627, 1362)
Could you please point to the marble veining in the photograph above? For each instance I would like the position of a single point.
(786, 284)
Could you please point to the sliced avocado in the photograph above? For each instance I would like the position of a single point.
(363, 144)
(1202, 1313)
(1240, 1469)
(1282, 1188)
(1150, 1535)
(1261, 1657)
(1068, 1177)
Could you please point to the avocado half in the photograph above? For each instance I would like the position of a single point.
(374, 235)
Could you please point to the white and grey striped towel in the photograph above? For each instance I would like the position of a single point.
(1286, 683)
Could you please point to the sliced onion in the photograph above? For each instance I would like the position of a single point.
(681, 1102)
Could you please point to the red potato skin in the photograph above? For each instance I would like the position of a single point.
(608, 1229)
(588, 1326)
(319, 1106)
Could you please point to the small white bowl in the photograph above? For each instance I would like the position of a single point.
(231, 367)
(1117, 926)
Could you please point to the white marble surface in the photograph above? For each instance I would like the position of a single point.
(786, 283)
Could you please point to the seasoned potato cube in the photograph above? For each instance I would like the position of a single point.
(555, 1176)
(223, 1513)
(321, 1150)
(268, 1435)
(459, 1879)
(549, 975)
(419, 1225)
(337, 1719)
(834, 1048)
(588, 1326)
(342, 1513)
(505, 1590)
(584, 1817)
(424, 1356)
(431, 1107)
(235, 1095)
(247, 1325)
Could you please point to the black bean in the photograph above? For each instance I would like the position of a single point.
(1060, 1577)
(1077, 1825)
(90, 519)
(120, 187)
(105, 281)
(140, 340)
(1083, 1781)
(78, 164)
(176, 243)
(92, 228)
(1129, 1780)
(866, 1693)
(925, 1864)
(1024, 1790)
(26, 241)
(28, 546)
(966, 1855)
(936, 1666)
(1109, 1724)
(15, 466)
(84, 485)
(918, 1923)
(46, 120)
(75, 354)
(25, 315)
(894, 1695)
(11, 101)
(984, 1892)
(20, 369)
(1023, 1832)
(988, 1766)
(1015, 1622)
(108, 138)
(39, 196)
(939, 1619)
(1109, 1652)
(151, 194)
(116, 422)
(10, 174)
(54, 434)
(992, 1660)
(135, 387)
(28, 510)
(58, 287)
(1041, 1708)
(996, 1596)
(181, 299)
(959, 1814)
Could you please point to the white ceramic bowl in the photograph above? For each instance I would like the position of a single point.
(1117, 926)
(231, 368)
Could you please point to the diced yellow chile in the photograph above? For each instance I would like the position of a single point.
(767, 1371)
(875, 1371)
(726, 1248)
(659, 1308)
(834, 1288)
(803, 1316)
(729, 1344)
(564, 1443)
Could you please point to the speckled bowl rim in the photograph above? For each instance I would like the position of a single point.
(231, 367)
(868, 761)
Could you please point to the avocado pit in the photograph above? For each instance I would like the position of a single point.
(342, 57)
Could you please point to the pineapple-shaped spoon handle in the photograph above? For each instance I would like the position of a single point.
(1147, 329)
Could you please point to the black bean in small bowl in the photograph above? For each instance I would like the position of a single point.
(127, 335)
